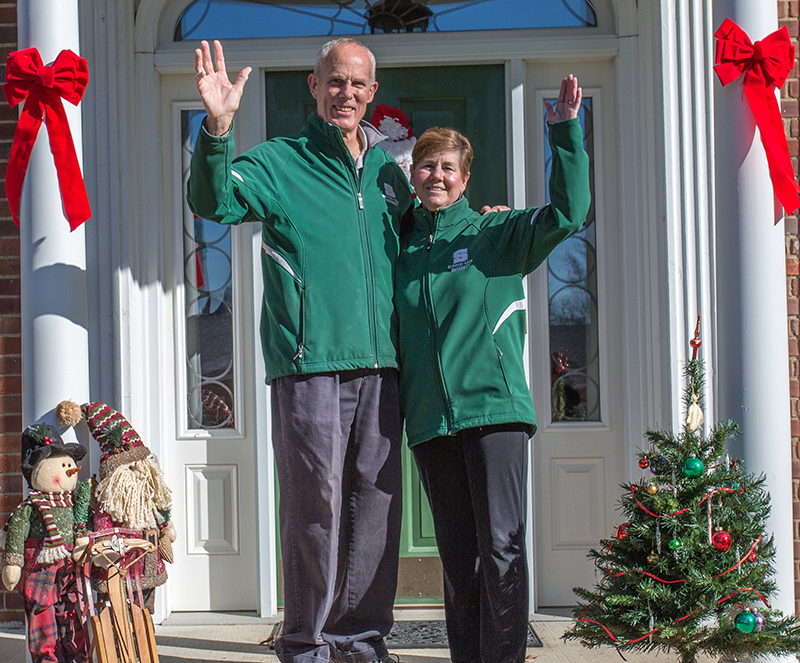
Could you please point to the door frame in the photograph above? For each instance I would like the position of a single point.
(641, 178)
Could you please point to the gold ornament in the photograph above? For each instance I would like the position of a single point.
(652, 558)
(694, 417)
(652, 489)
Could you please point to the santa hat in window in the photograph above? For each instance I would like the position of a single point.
(396, 125)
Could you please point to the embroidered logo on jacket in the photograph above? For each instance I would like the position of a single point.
(461, 260)
(390, 195)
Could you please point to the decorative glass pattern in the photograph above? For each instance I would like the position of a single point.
(207, 272)
(573, 306)
(241, 19)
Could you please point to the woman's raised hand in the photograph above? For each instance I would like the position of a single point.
(220, 96)
(569, 101)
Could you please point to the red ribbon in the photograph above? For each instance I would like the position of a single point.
(42, 88)
(764, 64)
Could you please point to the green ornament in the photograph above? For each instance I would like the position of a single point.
(745, 621)
(675, 544)
(735, 485)
(693, 468)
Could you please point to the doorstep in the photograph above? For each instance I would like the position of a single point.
(198, 637)
(220, 637)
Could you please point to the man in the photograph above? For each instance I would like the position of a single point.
(330, 205)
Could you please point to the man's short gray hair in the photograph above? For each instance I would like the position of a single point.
(342, 41)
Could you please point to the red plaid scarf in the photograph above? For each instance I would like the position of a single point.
(53, 547)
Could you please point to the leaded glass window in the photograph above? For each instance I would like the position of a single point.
(241, 19)
(573, 306)
(208, 306)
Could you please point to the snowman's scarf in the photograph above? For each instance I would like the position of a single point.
(53, 547)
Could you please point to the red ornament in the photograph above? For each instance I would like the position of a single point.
(696, 342)
(622, 531)
(644, 462)
(721, 540)
(752, 557)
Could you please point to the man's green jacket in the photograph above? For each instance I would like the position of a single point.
(329, 240)
(461, 304)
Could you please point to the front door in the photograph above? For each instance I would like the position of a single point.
(470, 99)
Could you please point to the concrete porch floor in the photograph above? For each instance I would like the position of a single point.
(197, 637)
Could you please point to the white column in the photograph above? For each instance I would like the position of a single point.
(752, 345)
(52, 259)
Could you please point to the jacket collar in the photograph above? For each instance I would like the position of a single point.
(315, 126)
(445, 217)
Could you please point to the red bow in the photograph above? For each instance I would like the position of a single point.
(764, 64)
(41, 87)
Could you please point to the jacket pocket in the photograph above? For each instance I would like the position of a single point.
(287, 305)
(502, 366)
(281, 261)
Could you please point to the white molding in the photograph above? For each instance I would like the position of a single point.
(255, 105)
(644, 321)
(517, 146)
(449, 48)
(690, 192)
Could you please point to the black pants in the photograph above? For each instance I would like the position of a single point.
(476, 485)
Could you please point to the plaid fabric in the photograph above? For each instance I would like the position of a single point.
(55, 634)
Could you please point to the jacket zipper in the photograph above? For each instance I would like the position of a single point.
(432, 324)
(371, 312)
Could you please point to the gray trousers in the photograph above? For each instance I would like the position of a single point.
(337, 439)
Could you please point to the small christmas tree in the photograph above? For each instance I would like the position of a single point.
(690, 569)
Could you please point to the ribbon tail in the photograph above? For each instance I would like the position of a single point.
(773, 137)
(24, 139)
(68, 170)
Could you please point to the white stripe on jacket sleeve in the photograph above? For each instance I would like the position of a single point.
(518, 305)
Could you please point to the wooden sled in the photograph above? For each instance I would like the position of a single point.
(120, 629)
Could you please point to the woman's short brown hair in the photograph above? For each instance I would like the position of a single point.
(442, 139)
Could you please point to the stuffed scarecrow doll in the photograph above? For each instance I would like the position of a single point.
(43, 534)
(132, 492)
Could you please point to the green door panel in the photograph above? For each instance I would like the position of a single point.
(472, 100)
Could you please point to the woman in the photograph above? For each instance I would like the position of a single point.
(460, 305)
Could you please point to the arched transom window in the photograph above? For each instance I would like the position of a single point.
(242, 19)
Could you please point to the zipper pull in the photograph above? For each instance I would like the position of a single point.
(299, 354)
(360, 201)
(499, 352)
(430, 243)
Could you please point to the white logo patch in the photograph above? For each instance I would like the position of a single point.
(461, 260)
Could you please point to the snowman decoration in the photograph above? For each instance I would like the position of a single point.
(42, 537)
(395, 124)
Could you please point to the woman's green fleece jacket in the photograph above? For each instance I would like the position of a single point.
(461, 305)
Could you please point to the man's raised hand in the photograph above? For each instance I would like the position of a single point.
(220, 96)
